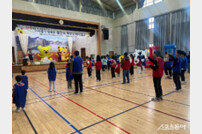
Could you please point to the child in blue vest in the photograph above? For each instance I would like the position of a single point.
(183, 67)
(69, 76)
(52, 76)
(19, 93)
(177, 70)
(24, 78)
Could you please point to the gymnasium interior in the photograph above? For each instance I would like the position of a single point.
(51, 31)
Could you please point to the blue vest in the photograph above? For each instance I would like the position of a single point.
(19, 98)
(25, 80)
(184, 62)
(52, 74)
(77, 64)
(177, 67)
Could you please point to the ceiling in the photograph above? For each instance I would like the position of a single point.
(113, 5)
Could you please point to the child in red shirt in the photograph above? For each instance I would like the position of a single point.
(113, 65)
(157, 74)
(98, 66)
(139, 65)
(118, 69)
(89, 67)
(125, 64)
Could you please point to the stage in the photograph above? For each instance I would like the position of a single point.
(33, 68)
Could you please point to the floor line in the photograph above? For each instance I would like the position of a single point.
(118, 114)
(139, 104)
(86, 109)
(56, 112)
(149, 95)
(30, 122)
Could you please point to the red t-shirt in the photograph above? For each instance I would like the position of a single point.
(89, 64)
(159, 71)
(126, 64)
(113, 64)
(139, 64)
(133, 63)
(118, 69)
(98, 65)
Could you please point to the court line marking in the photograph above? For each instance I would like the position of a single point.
(100, 85)
(30, 122)
(118, 114)
(85, 109)
(149, 95)
(130, 102)
(139, 104)
(56, 112)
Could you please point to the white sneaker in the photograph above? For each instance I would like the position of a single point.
(24, 108)
(18, 110)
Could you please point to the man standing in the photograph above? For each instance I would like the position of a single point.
(77, 70)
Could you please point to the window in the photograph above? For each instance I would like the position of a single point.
(148, 3)
(157, 1)
(151, 23)
(151, 2)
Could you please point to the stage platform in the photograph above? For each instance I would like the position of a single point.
(33, 68)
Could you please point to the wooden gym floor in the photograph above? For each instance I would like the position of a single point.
(106, 107)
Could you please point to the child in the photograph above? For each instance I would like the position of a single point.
(183, 67)
(108, 62)
(177, 70)
(19, 93)
(104, 63)
(117, 69)
(132, 65)
(24, 78)
(113, 65)
(69, 76)
(98, 66)
(144, 62)
(167, 65)
(89, 67)
(157, 75)
(125, 64)
(139, 65)
(52, 76)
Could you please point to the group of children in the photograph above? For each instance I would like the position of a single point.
(115, 64)
(176, 65)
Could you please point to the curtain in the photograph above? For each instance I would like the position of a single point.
(142, 35)
(23, 42)
(180, 35)
(70, 42)
(124, 39)
(161, 31)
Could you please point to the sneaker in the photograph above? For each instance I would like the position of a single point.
(18, 110)
(160, 98)
(24, 108)
(123, 83)
(49, 90)
(155, 99)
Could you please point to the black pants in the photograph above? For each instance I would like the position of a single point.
(157, 86)
(78, 81)
(176, 79)
(89, 71)
(182, 75)
(113, 72)
(168, 70)
(131, 70)
(98, 75)
(103, 67)
(108, 66)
